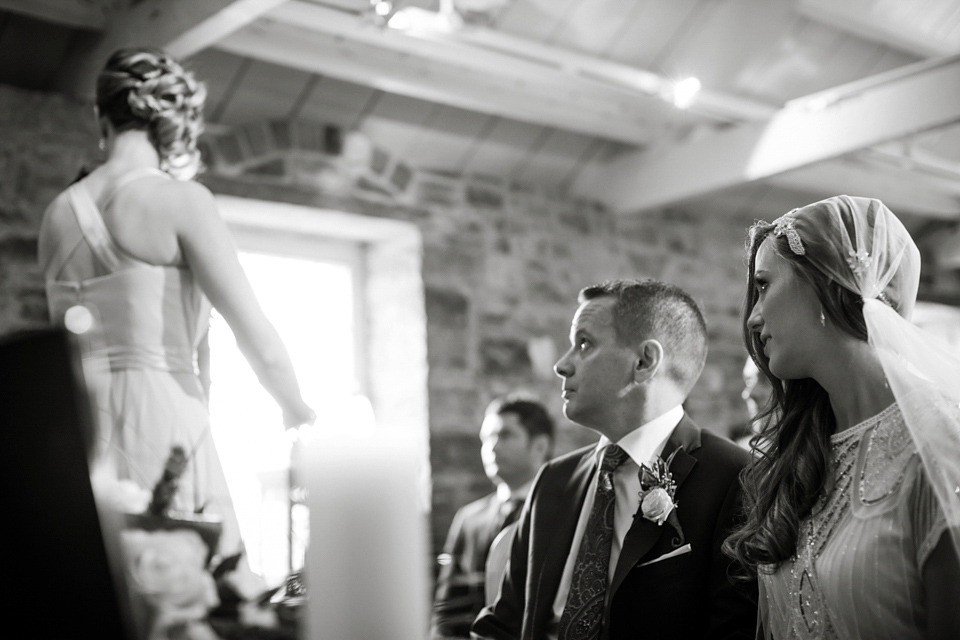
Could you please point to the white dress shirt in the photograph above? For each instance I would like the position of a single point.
(505, 493)
(641, 445)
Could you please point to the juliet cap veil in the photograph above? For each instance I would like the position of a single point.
(860, 244)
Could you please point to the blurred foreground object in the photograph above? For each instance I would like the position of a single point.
(366, 571)
(58, 552)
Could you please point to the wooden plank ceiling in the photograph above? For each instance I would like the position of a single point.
(567, 95)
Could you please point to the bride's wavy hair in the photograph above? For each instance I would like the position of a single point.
(146, 89)
(792, 449)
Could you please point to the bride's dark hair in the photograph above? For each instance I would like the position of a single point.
(146, 89)
(792, 449)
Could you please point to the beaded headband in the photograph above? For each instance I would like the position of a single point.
(785, 226)
(859, 261)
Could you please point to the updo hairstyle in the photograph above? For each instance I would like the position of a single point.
(146, 89)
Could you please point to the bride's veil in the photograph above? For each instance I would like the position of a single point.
(874, 255)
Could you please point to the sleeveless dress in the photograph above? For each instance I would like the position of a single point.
(139, 355)
(860, 554)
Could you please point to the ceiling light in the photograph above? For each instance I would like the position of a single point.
(684, 92)
(401, 20)
(383, 8)
(413, 19)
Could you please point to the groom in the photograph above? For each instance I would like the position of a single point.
(605, 548)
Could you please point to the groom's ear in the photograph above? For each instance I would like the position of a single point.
(648, 361)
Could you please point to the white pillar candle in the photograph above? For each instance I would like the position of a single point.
(366, 569)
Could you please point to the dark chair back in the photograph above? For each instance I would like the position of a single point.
(497, 561)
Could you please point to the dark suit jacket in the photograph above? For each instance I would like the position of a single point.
(688, 596)
(460, 585)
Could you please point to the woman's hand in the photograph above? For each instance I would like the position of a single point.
(300, 415)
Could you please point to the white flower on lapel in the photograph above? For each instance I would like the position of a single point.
(656, 504)
(657, 490)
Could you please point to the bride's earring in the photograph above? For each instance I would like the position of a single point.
(102, 144)
(823, 319)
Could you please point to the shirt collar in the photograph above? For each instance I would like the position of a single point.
(647, 440)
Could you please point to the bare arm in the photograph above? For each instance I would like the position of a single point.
(209, 250)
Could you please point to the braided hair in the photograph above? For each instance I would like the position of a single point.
(146, 89)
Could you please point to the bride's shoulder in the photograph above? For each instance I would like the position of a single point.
(890, 436)
(888, 451)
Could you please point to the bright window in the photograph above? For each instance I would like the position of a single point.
(345, 292)
(312, 303)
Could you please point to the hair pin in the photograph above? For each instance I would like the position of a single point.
(885, 299)
(859, 261)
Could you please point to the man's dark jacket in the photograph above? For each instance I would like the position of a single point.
(687, 596)
(460, 585)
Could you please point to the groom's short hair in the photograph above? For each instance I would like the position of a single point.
(648, 309)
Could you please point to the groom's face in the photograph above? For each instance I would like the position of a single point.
(596, 367)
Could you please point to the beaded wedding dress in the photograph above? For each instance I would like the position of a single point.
(860, 554)
(139, 354)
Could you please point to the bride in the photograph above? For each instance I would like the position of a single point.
(853, 524)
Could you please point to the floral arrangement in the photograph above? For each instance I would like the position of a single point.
(657, 491)
(167, 557)
(180, 589)
(168, 577)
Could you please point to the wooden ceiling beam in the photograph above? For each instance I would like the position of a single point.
(79, 14)
(526, 60)
(806, 131)
(180, 27)
(922, 27)
(518, 78)
(901, 189)
(468, 82)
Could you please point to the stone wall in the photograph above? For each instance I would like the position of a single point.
(501, 274)
(44, 140)
(502, 266)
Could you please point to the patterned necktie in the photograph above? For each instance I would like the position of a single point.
(583, 613)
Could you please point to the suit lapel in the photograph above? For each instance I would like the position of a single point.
(643, 534)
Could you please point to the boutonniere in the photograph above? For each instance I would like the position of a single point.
(657, 490)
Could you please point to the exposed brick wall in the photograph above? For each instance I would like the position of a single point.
(501, 267)
(501, 275)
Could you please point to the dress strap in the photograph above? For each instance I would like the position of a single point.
(94, 230)
(67, 240)
(91, 221)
